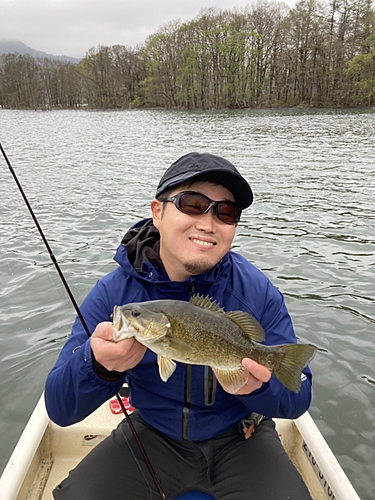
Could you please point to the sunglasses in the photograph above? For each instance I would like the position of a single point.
(192, 203)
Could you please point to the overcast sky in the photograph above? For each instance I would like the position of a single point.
(71, 27)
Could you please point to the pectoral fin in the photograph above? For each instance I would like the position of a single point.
(166, 367)
(180, 346)
(231, 380)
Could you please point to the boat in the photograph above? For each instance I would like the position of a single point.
(45, 453)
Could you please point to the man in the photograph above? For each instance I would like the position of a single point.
(194, 432)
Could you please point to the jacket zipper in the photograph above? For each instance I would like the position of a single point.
(187, 388)
(210, 384)
(186, 408)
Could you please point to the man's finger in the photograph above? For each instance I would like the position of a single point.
(258, 371)
(104, 331)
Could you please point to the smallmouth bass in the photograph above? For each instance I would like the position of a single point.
(200, 332)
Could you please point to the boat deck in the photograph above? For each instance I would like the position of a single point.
(46, 453)
(69, 445)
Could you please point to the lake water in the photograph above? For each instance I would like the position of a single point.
(311, 229)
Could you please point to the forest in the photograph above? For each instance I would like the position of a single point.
(316, 54)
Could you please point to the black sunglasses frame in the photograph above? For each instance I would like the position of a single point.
(212, 204)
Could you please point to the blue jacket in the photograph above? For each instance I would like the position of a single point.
(190, 405)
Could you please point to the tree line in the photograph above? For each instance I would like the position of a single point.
(317, 54)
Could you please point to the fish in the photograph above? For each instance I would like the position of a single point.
(200, 332)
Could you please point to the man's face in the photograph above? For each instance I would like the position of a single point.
(192, 244)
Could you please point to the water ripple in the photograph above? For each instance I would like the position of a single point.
(311, 229)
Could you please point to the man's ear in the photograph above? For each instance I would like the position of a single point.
(156, 211)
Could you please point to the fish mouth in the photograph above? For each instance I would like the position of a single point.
(202, 243)
(121, 329)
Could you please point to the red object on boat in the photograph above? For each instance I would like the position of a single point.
(115, 407)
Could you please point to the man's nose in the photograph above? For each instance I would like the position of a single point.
(207, 221)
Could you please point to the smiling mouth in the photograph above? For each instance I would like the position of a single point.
(203, 243)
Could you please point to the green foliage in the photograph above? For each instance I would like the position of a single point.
(361, 70)
(267, 54)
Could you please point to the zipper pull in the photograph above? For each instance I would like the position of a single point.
(191, 288)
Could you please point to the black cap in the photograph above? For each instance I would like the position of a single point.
(207, 167)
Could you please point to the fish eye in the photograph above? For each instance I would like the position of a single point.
(135, 314)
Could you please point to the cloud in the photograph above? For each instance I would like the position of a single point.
(71, 27)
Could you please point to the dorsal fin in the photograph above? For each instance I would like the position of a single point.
(249, 326)
(206, 303)
(251, 329)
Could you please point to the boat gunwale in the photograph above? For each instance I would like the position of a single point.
(324, 462)
(19, 462)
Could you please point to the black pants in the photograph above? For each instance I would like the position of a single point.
(227, 467)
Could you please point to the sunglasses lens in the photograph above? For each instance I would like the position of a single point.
(193, 203)
(228, 213)
(197, 204)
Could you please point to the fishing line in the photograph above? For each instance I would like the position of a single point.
(79, 314)
(137, 461)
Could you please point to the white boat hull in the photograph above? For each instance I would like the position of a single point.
(46, 453)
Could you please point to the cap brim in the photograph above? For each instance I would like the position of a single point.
(236, 184)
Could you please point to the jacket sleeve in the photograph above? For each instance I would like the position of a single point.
(73, 389)
(273, 399)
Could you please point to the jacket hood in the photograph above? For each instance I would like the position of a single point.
(142, 243)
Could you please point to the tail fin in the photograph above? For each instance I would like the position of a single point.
(294, 357)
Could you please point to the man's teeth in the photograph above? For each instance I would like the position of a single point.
(203, 243)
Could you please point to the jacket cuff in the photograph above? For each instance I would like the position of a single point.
(103, 373)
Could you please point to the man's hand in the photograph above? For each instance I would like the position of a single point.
(258, 374)
(120, 356)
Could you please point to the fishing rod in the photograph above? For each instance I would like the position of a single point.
(88, 333)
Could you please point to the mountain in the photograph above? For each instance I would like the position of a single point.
(13, 46)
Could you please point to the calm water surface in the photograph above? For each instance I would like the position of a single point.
(311, 229)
